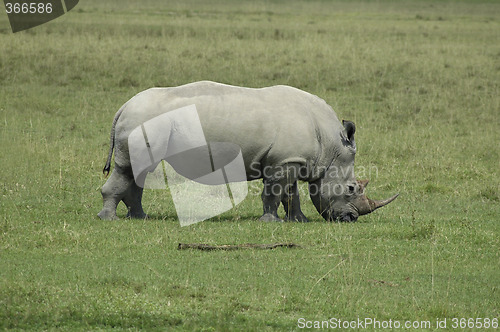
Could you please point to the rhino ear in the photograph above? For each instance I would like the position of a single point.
(350, 129)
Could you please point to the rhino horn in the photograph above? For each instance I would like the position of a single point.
(362, 185)
(370, 205)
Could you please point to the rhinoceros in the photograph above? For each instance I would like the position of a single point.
(285, 135)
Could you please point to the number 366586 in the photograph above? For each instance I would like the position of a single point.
(28, 8)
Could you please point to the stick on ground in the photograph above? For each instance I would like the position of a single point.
(202, 246)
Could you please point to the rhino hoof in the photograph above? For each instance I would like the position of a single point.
(140, 215)
(270, 217)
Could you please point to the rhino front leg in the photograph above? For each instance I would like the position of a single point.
(114, 190)
(271, 197)
(277, 184)
(291, 203)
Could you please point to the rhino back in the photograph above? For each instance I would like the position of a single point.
(272, 126)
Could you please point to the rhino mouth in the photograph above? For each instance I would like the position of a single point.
(350, 215)
(347, 217)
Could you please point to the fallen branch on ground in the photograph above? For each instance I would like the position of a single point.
(202, 246)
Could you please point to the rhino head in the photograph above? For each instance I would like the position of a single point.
(345, 204)
(338, 195)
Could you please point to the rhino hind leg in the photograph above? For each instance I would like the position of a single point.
(114, 190)
(291, 204)
(133, 201)
(281, 186)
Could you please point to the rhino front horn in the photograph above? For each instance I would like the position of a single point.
(378, 204)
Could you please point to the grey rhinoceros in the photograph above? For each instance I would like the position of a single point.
(285, 134)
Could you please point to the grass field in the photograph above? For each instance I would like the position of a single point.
(421, 80)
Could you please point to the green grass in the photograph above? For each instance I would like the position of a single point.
(421, 81)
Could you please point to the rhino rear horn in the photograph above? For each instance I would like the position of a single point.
(362, 185)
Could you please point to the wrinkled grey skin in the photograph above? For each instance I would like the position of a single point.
(285, 135)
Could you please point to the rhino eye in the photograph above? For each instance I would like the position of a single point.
(350, 189)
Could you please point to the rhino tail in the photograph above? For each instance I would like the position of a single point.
(107, 167)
